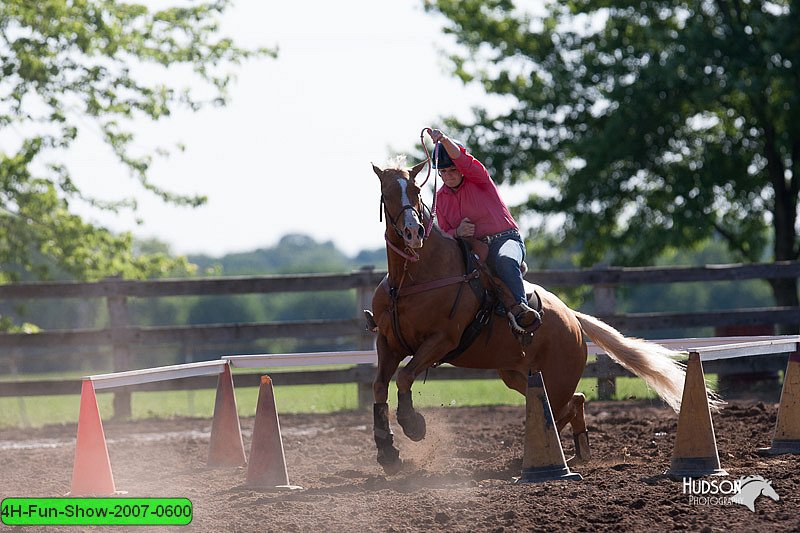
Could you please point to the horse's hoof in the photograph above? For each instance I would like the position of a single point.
(582, 451)
(393, 468)
(575, 460)
(389, 459)
(414, 427)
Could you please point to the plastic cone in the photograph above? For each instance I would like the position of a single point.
(91, 472)
(543, 458)
(226, 448)
(267, 466)
(695, 452)
(787, 428)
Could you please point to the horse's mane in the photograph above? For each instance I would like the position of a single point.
(397, 162)
(441, 232)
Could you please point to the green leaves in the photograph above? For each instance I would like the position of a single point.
(73, 66)
(650, 125)
(40, 233)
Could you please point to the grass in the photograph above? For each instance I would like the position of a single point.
(42, 410)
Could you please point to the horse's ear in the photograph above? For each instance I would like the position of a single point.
(416, 169)
(377, 171)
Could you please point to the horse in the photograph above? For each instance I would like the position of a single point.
(421, 309)
(751, 488)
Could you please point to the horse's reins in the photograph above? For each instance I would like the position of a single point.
(412, 256)
(431, 164)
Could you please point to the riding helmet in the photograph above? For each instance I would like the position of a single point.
(443, 160)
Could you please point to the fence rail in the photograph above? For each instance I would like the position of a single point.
(308, 329)
(602, 275)
(121, 335)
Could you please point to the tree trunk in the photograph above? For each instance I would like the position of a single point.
(784, 291)
(785, 294)
(784, 214)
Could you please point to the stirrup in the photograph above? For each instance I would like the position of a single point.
(524, 335)
(517, 328)
(521, 310)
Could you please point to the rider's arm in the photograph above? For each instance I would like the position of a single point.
(472, 169)
(453, 150)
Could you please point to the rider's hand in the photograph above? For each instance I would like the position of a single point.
(465, 229)
(437, 136)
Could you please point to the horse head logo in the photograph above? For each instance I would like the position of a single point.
(751, 488)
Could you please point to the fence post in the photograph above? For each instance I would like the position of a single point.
(606, 380)
(188, 357)
(364, 375)
(605, 304)
(14, 360)
(118, 317)
(365, 339)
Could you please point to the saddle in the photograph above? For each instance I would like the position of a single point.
(492, 294)
(503, 296)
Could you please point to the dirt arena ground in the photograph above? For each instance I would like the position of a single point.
(458, 479)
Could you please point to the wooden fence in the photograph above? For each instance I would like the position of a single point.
(122, 336)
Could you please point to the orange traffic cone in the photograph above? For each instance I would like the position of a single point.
(695, 452)
(267, 467)
(787, 428)
(543, 457)
(91, 472)
(226, 448)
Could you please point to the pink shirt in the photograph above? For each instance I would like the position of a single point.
(476, 199)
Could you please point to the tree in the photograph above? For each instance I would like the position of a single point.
(650, 124)
(71, 67)
(295, 253)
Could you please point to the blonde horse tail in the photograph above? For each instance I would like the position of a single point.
(651, 362)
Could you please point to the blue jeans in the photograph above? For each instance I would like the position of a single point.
(506, 255)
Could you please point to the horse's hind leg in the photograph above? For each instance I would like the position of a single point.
(388, 455)
(574, 415)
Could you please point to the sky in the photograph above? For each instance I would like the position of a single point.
(292, 152)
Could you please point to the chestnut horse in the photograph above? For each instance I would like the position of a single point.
(428, 323)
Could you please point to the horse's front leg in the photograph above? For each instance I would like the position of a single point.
(412, 422)
(388, 455)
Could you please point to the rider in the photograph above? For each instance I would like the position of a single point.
(469, 205)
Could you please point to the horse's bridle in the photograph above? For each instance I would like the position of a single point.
(407, 254)
(393, 220)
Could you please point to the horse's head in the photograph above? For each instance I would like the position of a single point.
(402, 203)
